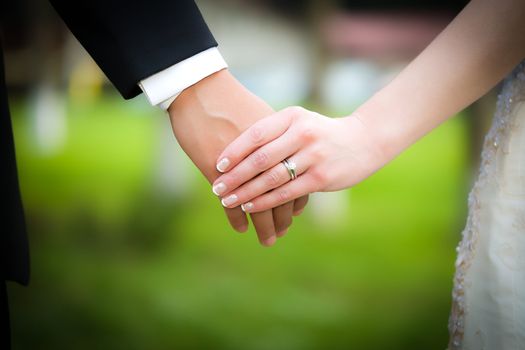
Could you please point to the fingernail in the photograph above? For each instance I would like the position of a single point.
(242, 229)
(223, 164)
(219, 188)
(231, 199)
(247, 206)
(298, 212)
(268, 242)
(282, 233)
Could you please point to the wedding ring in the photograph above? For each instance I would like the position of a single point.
(291, 167)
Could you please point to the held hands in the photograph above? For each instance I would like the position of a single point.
(205, 118)
(329, 154)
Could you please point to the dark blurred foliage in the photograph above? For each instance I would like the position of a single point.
(14, 20)
(299, 8)
(403, 5)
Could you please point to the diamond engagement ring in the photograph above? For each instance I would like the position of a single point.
(291, 168)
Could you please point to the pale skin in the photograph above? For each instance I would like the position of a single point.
(476, 51)
(209, 115)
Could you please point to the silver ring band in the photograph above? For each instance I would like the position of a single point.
(291, 167)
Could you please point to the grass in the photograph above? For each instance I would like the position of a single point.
(121, 263)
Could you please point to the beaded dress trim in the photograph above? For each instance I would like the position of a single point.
(512, 92)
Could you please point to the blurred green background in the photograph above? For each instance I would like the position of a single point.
(131, 250)
(117, 264)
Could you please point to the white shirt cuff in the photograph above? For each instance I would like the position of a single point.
(162, 88)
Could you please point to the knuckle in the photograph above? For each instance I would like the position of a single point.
(298, 110)
(319, 178)
(231, 179)
(273, 178)
(256, 134)
(295, 111)
(307, 132)
(260, 160)
(317, 153)
(283, 195)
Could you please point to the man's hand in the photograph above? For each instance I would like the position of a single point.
(205, 118)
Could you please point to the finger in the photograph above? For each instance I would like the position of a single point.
(299, 205)
(264, 226)
(270, 179)
(262, 159)
(282, 218)
(260, 133)
(299, 187)
(237, 219)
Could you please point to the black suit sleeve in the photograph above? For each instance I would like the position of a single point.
(133, 39)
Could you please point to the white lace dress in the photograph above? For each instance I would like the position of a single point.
(488, 309)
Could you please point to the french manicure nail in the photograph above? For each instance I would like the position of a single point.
(219, 188)
(223, 164)
(231, 199)
(247, 206)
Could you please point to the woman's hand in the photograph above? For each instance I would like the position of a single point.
(209, 115)
(329, 154)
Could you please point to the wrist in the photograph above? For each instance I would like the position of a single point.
(220, 96)
(210, 114)
(380, 117)
(370, 147)
(199, 88)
